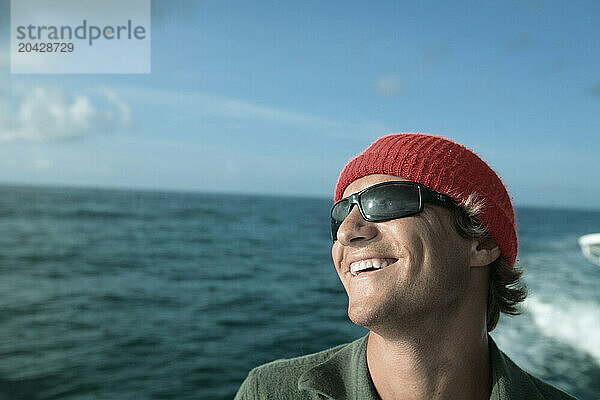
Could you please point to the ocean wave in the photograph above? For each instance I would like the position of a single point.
(573, 323)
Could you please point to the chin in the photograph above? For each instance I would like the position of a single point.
(364, 316)
(388, 317)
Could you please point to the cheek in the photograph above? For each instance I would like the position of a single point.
(407, 237)
(424, 241)
(336, 254)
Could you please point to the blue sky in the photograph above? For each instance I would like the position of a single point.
(275, 97)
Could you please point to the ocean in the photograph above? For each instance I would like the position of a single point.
(114, 294)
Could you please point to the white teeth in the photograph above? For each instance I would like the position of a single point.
(358, 266)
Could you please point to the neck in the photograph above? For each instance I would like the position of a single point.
(448, 359)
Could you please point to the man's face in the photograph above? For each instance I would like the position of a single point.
(428, 269)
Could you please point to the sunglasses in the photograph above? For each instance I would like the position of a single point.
(386, 201)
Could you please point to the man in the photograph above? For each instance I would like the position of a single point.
(424, 242)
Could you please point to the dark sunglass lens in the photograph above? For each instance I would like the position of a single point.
(335, 226)
(390, 201)
(340, 211)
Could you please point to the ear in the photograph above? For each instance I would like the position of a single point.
(483, 253)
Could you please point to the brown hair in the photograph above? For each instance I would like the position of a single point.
(505, 289)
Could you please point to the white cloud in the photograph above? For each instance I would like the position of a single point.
(198, 104)
(47, 114)
(388, 85)
(123, 107)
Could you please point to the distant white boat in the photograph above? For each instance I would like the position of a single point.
(590, 247)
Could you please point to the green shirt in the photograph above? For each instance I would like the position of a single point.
(342, 373)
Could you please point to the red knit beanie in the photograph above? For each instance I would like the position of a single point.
(446, 167)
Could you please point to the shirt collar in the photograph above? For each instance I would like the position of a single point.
(346, 375)
(509, 381)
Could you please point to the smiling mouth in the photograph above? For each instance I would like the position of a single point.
(370, 265)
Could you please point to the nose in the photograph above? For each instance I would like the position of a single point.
(355, 229)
